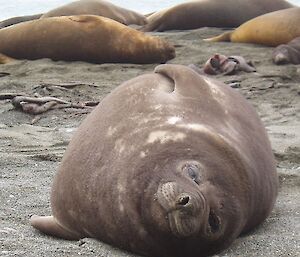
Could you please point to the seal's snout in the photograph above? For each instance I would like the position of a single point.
(173, 197)
(171, 52)
(184, 207)
(168, 50)
(280, 58)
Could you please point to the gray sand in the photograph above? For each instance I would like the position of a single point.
(30, 154)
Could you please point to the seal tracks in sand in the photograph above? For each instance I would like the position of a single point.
(34, 142)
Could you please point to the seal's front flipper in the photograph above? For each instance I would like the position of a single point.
(48, 225)
(5, 59)
(225, 37)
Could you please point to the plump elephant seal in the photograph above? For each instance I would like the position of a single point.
(98, 7)
(211, 13)
(169, 164)
(287, 53)
(16, 20)
(87, 38)
(271, 29)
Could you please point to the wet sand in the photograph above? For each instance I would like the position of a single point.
(31, 153)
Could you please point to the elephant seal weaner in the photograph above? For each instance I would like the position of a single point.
(211, 13)
(287, 53)
(83, 38)
(98, 7)
(169, 164)
(271, 29)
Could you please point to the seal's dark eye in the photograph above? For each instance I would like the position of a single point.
(192, 171)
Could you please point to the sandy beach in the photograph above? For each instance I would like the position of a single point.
(31, 148)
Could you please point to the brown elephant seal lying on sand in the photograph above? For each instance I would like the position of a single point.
(287, 53)
(271, 29)
(211, 13)
(98, 7)
(169, 164)
(83, 38)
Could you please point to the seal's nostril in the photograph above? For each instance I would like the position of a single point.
(183, 200)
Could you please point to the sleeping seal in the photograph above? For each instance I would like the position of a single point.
(87, 7)
(169, 164)
(211, 13)
(88, 38)
(271, 29)
(98, 7)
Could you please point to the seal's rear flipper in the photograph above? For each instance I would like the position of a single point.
(5, 59)
(48, 225)
(19, 19)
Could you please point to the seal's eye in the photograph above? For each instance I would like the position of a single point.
(193, 172)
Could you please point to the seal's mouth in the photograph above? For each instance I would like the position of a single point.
(214, 223)
(185, 211)
(183, 226)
